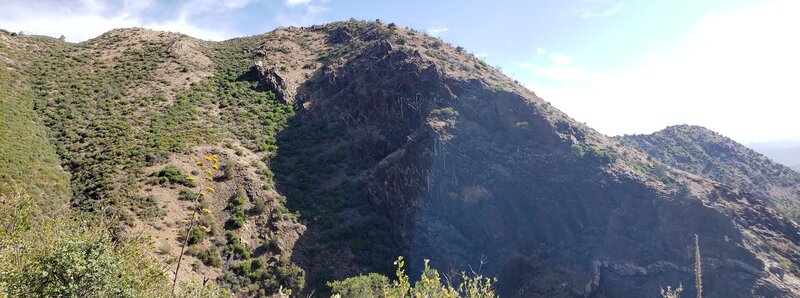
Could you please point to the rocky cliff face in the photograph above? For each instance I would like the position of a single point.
(474, 173)
(386, 142)
(703, 152)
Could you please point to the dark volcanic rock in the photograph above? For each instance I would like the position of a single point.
(339, 35)
(475, 177)
(270, 80)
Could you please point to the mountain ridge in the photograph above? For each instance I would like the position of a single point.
(364, 141)
(707, 153)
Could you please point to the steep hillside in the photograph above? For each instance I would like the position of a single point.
(473, 172)
(26, 154)
(703, 152)
(320, 153)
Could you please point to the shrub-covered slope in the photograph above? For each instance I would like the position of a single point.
(26, 154)
(703, 152)
(305, 155)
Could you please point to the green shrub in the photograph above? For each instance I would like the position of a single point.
(446, 113)
(185, 195)
(258, 274)
(430, 284)
(259, 206)
(578, 150)
(80, 265)
(65, 257)
(271, 243)
(173, 175)
(370, 285)
(231, 237)
(257, 263)
(146, 207)
(209, 257)
(240, 251)
(207, 220)
(238, 200)
(602, 155)
(639, 167)
(236, 247)
(593, 153)
(284, 274)
(236, 209)
(194, 290)
(241, 268)
(236, 221)
(227, 172)
(196, 235)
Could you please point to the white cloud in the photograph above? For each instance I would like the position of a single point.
(558, 58)
(437, 31)
(236, 3)
(561, 59)
(565, 74)
(181, 26)
(316, 9)
(588, 14)
(310, 15)
(292, 3)
(84, 19)
(736, 74)
(560, 73)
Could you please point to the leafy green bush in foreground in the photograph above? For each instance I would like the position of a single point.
(429, 285)
(71, 257)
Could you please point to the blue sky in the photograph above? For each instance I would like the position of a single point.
(620, 66)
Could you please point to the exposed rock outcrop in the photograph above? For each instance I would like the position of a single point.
(271, 80)
(479, 178)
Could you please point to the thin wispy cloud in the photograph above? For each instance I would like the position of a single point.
(79, 20)
(561, 59)
(556, 66)
(236, 3)
(560, 73)
(437, 31)
(309, 15)
(588, 14)
(744, 90)
(292, 3)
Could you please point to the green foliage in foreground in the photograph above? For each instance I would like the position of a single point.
(70, 257)
(430, 284)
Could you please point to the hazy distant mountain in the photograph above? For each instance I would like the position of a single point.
(786, 152)
(778, 144)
